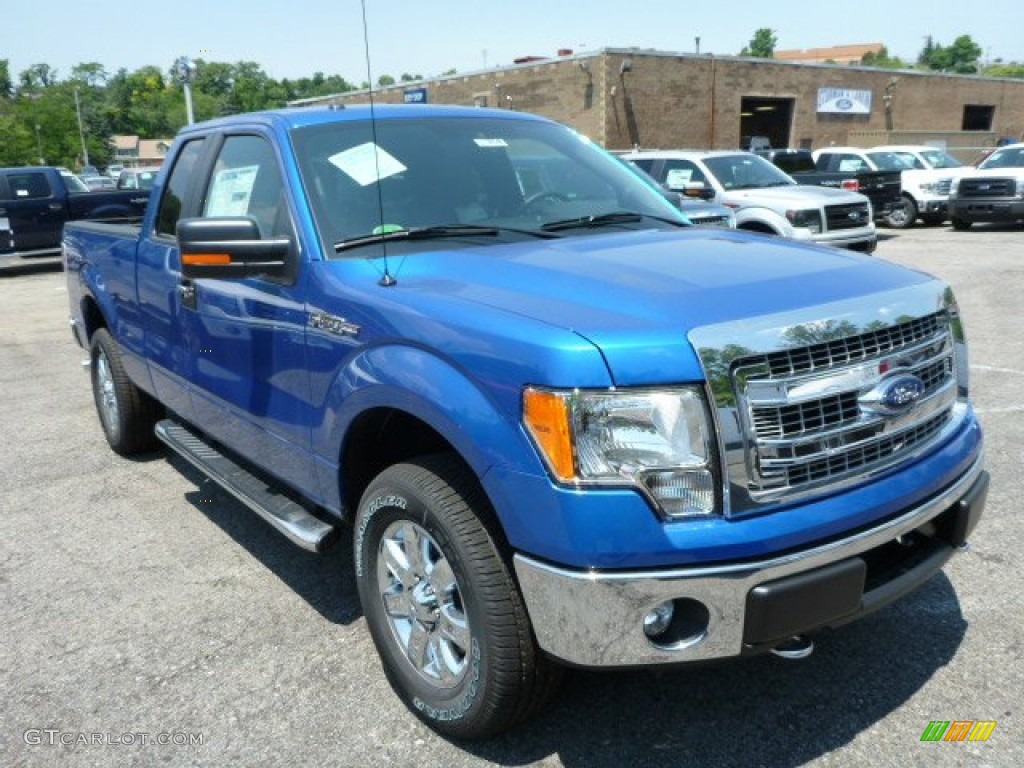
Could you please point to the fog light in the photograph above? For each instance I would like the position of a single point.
(658, 620)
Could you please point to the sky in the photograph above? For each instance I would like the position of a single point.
(296, 38)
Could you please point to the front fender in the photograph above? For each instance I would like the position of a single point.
(484, 431)
(766, 217)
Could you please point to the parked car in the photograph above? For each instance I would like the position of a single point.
(763, 197)
(882, 188)
(925, 190)
(95, 183)
(565, 425)
(994, 192)
(137, 178)
(113, 171)
(35, 203)
(700, 213)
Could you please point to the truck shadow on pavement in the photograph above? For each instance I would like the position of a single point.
(761, 711)
(326, 581)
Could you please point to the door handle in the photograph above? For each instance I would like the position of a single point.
(55, 206)
(187, 294)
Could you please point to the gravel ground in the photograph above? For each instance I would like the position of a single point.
(139, 604)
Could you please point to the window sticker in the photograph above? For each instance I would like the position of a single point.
(489, 143)
(677, 177)
(231, 191)
(366, 164)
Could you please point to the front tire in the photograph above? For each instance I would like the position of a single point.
(902, 216)
(127, 414)
(440, 602)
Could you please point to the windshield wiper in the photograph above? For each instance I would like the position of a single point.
(604, 219)
(432, 233)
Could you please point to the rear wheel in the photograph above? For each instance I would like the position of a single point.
(127, 414)
(440, 602)
(902, 215)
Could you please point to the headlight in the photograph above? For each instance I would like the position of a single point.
(930, 186)
(658, 441)
(1020, 187)
(809, 219)
(954, 187)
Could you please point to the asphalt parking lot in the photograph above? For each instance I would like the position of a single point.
(141, 605)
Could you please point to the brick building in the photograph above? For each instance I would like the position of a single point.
(628, 97)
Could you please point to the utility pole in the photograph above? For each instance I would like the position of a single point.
(185, 71)
(81, 130)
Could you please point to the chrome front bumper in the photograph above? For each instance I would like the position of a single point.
(595, 619)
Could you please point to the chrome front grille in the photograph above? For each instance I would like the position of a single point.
(842, 351)
(809, 414)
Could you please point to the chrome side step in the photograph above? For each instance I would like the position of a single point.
(287, 516)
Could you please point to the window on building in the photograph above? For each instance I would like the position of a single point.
(978, 117)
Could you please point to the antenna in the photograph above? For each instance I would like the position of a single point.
(387, 279)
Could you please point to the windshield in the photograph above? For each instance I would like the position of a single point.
(1010, 157)
(936, 158)
(511, 175)
(891, 161)
(746, 171)
(73, 183)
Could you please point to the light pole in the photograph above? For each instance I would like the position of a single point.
(185, 70)
(81, 130)
(39, 145)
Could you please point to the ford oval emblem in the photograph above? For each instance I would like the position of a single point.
(894, 394)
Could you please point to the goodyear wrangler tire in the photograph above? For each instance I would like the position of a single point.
(127, 414)
(442, 607)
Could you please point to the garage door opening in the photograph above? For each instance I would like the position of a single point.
(764, 118)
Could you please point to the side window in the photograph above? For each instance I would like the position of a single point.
(679, 173)
(247, 181)
(851, 164)
(177, 187)
(28, 185)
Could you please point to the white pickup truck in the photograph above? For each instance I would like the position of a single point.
(993, 192)
(927, 174)
(765, 198)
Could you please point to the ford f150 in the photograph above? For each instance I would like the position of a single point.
(566, 427)
(36, 201)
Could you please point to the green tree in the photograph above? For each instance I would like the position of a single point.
(37, 77)
(961, 57)
(761, 45)
(1004, 69)
(6, 84)
(385, 80)
(883, 60)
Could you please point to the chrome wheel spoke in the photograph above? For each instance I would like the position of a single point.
(418, 647)
(423, 604)
(455, 631)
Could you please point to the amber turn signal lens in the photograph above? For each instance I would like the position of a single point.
(205, 258)
(547, 418)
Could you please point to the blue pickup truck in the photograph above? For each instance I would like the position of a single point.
(36, 201)
(565, 427)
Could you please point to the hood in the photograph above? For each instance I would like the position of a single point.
(793, 195)
(636, 295)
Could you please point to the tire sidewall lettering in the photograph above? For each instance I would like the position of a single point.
(383, 501)
(466, 700)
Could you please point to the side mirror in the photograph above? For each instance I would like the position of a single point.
(698, 189)
(230, 247)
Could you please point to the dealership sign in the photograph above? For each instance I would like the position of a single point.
(415, 96)
(844, 101)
